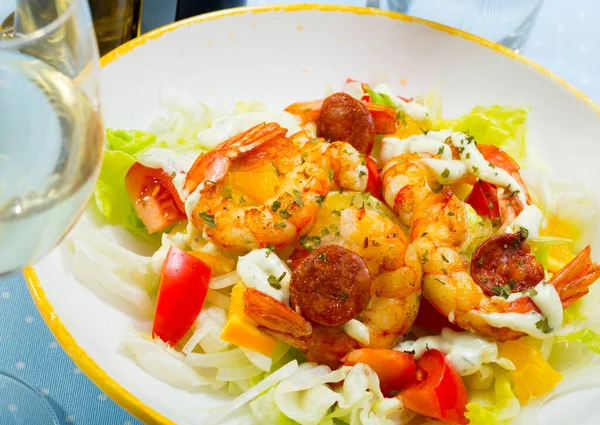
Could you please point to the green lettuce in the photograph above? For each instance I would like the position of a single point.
(501, 126)
(541, 247)
(379, 98)
(585, 336)
(111, 198)
(495, 406)
(131, 142)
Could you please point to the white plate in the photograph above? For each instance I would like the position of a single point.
(281, 55)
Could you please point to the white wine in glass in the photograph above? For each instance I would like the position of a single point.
(50, 127)
(51, 143)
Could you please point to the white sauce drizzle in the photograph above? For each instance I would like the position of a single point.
(540, 326)
(255, 268)
(466, 351)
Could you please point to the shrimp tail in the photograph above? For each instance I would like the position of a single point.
(573, 280)
(214, 165)
(275, 316)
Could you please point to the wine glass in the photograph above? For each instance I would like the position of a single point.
(51, 146)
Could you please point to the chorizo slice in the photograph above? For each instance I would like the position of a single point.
(345, 119)
(330, 286)
(503, 264)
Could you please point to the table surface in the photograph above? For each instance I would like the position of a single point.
(566, 40)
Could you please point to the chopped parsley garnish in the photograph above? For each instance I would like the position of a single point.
(445, 173)
(445, 259)
(441, 150)
(275, 282)
(512, 282)
(413, 352)
(401, 116)
(444, 271)
(491, 165)
(330, 173)
(226, 192)
(275, 206)
(325, 231)
(314, 141)
(468, 155)
(298, 198)
(280, 225)
(242, 199)
(336, 212)
(423, 130)
(285, 214)
(439, 280)
(173, 175)
(320, 199)
(423, 234)
(208, 219)
(533, 292)
(502, 290)
(543, 325)
(344, 296)
(270, 249)
(323, 257)
(310, 242)
(524, 233)
(424, 258)
(361, 174)
(475, 169)
(512, 194)
(450, 213)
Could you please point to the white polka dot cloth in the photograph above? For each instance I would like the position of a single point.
(564, 40)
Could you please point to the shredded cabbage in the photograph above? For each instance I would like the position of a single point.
(95, 258)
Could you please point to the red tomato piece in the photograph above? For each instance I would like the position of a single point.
(374, 178)
(183, 287)
(428, 317)
(395, 369)
(297, 256)
(484, 199)
(154, 197)
(438, 391)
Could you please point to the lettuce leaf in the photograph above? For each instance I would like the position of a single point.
(495, 406)
(585, 336)
(501, 126)
(111, 198)
(541, 247)
(129, 141)
(379, 98)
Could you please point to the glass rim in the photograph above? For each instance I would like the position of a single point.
(17, 42)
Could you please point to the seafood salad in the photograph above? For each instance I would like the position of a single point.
(358, 259)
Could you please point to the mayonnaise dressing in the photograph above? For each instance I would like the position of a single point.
(448, 170)
(358, 330)
(431, 143)
(540, 326)
(225, 127)
(465, 350)
(258, 265)
(416, 110)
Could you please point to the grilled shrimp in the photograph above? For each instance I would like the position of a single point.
(468, 297)
(301, 180)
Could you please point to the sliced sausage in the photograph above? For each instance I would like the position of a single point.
(343, 118)
(330, 286)
(329, 346)
(503, 264)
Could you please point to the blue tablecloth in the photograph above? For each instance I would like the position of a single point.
(564, 40)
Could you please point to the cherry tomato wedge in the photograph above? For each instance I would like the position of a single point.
(395, 369)
(440, 392)
(428, 317)
(484, 200)
(374, 178)
(183, 287)
(154, 197)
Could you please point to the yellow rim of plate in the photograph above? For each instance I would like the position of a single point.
(114, 390)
